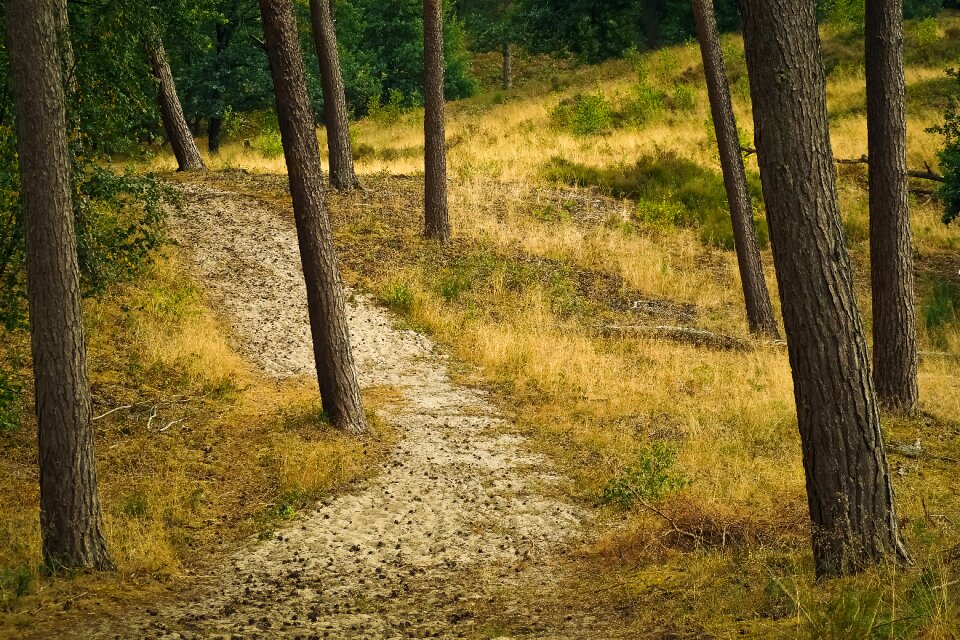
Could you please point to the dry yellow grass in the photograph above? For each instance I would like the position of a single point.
(514, 297)
(205, 451)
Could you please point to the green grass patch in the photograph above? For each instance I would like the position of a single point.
(669, 190)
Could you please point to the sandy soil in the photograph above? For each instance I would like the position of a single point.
(463, 532)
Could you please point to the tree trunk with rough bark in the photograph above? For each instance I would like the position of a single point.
(436, 215)
(174, 123)
(342, 174)
(214, 128)
(336, 374)
(507, 65)
(70, 519)
(651, 22)
(891, 251)
(62, 19)
(755, 292)
(849, 489)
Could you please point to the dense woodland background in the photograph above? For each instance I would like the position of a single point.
(586, 190)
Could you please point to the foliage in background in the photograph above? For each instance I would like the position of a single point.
(669, 191)
(118, 217)
(950, 155)
(650, 478)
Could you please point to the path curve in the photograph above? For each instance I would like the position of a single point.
(461, 528)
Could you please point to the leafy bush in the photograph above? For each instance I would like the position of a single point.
(120, 220)
(584, 115)
(950, 154)
(592, 115)
(941, 309)
(11, 391)
(684, 97)
(390, 112)
(381, 51)
(644, 105)
(399, 297)
(269, 143)
(659, 213)
(452, 284)
(650, 478)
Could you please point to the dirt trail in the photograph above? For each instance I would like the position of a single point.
(458, 536)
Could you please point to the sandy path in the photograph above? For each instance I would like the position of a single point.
(457, 537)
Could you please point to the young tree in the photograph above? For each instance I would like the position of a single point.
(755, 293)
(891, 251)
(70, 519)
(436, 218)
(339, 390)
(849, 489)
(178, 132)
(507, 82)
(342, 175)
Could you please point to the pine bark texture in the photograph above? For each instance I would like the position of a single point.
(214, 129)
(336, 374)
(436, 214)
(891, 251)
(174, 123)
(70, 516)
(849, 490)
(342, 174)
(756, 295)
(62, 25)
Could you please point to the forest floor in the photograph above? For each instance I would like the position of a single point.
(465, 532)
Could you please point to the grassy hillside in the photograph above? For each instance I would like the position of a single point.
(582, 201)
(592, 198)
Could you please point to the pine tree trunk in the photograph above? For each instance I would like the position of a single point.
(436, 216)
(891, 252)
(62, 19)
(755, 293)
(214, 127)
(70, 519)
(174, 123)
(339, 390)
(849, 489)
(507, 65)
(651, 22)
(342, 174)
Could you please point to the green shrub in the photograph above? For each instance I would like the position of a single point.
(391, 112)
(14, 583)
(11, 392)
(950, 153)
(452, 284)
(649, 479)
(268, 143)
(584, 115)
(941, 309)
(644, 105)
(684, 97)
(399, 297)
(664, 212)
(669, 189)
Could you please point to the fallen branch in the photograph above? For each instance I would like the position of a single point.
(723, 342)
(171, 423)
(927, 174)
(104, 415)
(698, 337)
(916, 452)
(646, 505)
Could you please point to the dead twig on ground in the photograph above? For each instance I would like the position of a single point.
(927, 174)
